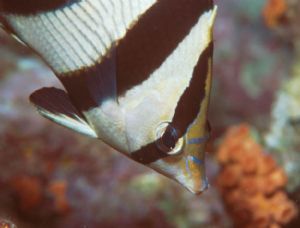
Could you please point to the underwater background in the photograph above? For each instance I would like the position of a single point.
(53, 177)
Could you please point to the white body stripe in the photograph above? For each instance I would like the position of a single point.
(97, 24)
(154, 101)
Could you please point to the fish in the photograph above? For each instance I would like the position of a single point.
(136, 75)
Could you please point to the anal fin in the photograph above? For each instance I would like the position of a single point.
(55, 105)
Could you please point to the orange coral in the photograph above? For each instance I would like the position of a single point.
(274, 11)
(31, 192)
(251, 182)
(58, 190)
(28, 190)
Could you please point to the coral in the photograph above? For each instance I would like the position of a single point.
(31, 192)
(58, 190)
(251, 182)
(256, 64)
(282, 137)
(62, 179)
(274, 11)
(28, 191)
(282, 16)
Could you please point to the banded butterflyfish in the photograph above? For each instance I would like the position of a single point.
(136, 73)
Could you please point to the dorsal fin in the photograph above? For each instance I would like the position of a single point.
(54, 104)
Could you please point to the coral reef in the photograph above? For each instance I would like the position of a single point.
(282, 138)
(51, 177)
(251, 183)
(249, 65)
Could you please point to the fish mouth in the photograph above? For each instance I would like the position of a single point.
(196, 190)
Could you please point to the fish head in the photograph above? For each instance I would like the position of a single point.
(184, 159)
(177, 136)
(177, 151)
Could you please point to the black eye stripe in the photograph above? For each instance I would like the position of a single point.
(29, 7)
(190, 102)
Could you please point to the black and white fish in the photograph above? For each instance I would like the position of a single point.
(136, 73)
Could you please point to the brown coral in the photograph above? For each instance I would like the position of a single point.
(251, 182)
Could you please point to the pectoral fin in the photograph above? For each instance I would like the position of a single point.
(54, 104)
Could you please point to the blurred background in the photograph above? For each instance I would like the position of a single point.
(52, 177)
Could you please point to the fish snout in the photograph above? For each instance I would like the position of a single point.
(196, 188)
(195, 179)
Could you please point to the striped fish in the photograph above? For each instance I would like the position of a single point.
(136, 73)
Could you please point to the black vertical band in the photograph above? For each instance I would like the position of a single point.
(154, 37)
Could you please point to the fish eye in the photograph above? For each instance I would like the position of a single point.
(168, 139)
